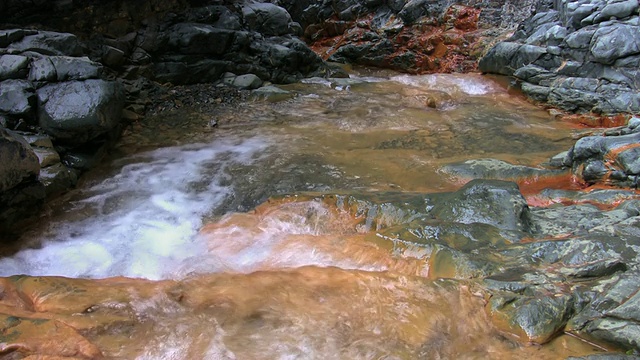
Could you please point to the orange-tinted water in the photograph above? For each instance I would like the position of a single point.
(220, 278)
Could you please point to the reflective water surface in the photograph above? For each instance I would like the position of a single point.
(238, 276)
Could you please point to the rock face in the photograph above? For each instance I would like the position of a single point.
(202, 44)
(411, 36)
(580, 56)
(45, 87)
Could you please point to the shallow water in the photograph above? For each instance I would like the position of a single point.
(294, 278)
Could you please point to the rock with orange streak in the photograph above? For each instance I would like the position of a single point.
(23, 337)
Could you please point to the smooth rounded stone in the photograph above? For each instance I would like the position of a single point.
(272, 94)
(17, 97)
(495, 169)
(536, 319)
(247, 81)
(46, 156)
(57, 179)
(13, 66)
(613, 42)
(492, 202)
(267, 18)
(19, 162)
(49, 43)
(77, 111)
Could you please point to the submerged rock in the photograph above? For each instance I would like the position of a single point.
(492, 202)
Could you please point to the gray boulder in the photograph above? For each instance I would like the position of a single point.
(267, 18)
(17, 98)
(62, 68)
(49, 43)
(610, 43)
(19, 162)
(13, 67)
(77, 111)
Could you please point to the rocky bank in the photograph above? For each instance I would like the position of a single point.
(581, 56)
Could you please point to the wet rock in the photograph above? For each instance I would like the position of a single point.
(57, 179)
(536, 318)
(48, 43)
(611, 159)
(13, 66)
(492, 202)
(42, 70)
(77, 111)
(17, 98)
(272, 93)
(18, 161)
(45, 338)
(247, 82)
(47, 156)
(577, 219)
(589, 62)
(495, 169)
(75, 68)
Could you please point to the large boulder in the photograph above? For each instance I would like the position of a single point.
(267, 18)
(77, 111)
(49, 43)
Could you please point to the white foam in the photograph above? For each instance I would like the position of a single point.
(144, 219)
(450, 83)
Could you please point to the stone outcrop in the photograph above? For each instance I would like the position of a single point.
(611, 157)
(55, 104)
(412, 36)
(580, 56)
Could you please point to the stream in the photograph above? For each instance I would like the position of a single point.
(238, 242)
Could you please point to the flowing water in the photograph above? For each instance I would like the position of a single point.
(233, 217)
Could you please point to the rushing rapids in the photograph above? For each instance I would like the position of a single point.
(241, 242)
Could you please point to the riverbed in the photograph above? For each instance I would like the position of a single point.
(230, 235)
